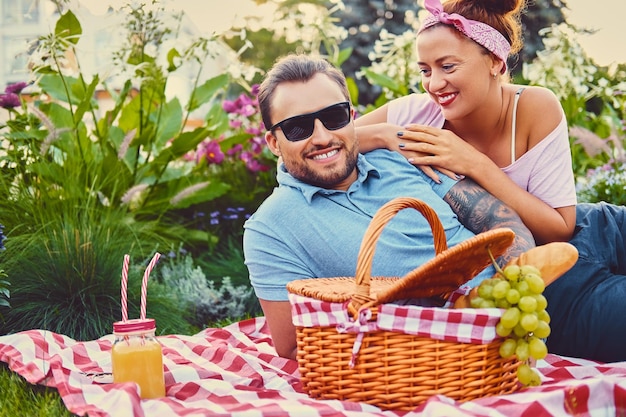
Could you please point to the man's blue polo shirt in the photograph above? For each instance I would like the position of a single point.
(304, 231)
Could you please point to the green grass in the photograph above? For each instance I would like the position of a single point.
(19, 398)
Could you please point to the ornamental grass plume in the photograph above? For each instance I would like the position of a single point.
(4, 285)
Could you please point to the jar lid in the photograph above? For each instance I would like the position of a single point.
(134, 325)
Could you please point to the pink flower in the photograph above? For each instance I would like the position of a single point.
(213, 153)
(235, 149)
(229, 106)
(255, 166)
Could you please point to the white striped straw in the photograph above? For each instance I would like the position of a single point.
(125, 288)
(144, 284)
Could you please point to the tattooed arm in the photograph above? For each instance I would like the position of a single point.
(480, 211)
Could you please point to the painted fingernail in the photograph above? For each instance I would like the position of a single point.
(400, 133)
(401, 145)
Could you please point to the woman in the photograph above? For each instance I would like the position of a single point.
(510, 139)
(515, 144)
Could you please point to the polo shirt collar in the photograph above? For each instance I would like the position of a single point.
(285, 179)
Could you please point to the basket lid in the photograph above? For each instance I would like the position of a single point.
(447, 271)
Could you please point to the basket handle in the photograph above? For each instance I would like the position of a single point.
(361, 294)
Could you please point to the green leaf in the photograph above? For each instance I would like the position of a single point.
(210, 192)
(87, 103)
(381, 80)
(170, 122)
(171, 59)
(182, 144)
(129, 114)
(231, 141)
(205, 92)
(344, 54)
(59, 88)
(68, 27)
(185, 142)
(353, 89)
(105, 122)
(217, 120)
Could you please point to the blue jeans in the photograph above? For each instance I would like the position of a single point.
(588, 303)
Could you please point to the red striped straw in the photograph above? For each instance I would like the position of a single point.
(144, 284)
(125, 288)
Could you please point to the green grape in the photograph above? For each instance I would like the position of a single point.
(512, 272)
(500, 289)
(543, 315)
(537, 348)
(524, 374)
(529, 321)
(487, 304)
(523, 288)
(542, 330)
(502, 331)
(527, 304)
(507, 348)
(519, 331)
(525, 322)
(535, 379)
(502, 303)
(475, 302)
(512, 296)
(510, 317)
(522, 350)
(542, 302)
(485, 290)
(529, 269)
(535, 283)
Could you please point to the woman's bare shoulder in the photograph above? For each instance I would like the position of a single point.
(539, 112)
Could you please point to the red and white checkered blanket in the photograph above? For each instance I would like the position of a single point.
(234, 371)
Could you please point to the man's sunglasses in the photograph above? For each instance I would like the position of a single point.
(301, 127)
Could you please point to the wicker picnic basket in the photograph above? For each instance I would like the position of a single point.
(394, 370)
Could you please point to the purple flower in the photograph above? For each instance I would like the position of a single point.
(229, 106)
(255, 90)
(252, 164)
(235, 124)
(213, 153)
(9, 100)
(15, 88)
(255, 131)
(255, 166)
(235, 149)
(257, 144)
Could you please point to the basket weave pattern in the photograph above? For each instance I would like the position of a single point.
(394, 370)
(399, 371)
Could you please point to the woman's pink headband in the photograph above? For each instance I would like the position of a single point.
(479, 32)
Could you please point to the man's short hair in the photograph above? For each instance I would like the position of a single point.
(295, 68)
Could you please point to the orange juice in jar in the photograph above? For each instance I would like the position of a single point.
(136, 356)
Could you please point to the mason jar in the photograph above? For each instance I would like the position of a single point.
(137, 357)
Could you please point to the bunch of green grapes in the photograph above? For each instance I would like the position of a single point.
(525, 322)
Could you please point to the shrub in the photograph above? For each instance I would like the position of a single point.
(203, 301)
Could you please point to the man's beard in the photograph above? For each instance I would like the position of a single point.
(330, 177)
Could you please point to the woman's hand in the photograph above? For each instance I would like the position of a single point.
(428, 147)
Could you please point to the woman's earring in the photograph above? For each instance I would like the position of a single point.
(494, 75)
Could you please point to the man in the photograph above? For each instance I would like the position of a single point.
(313, 223)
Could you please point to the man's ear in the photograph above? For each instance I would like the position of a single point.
(272, 143)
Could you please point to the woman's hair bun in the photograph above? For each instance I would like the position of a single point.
(502, 7)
